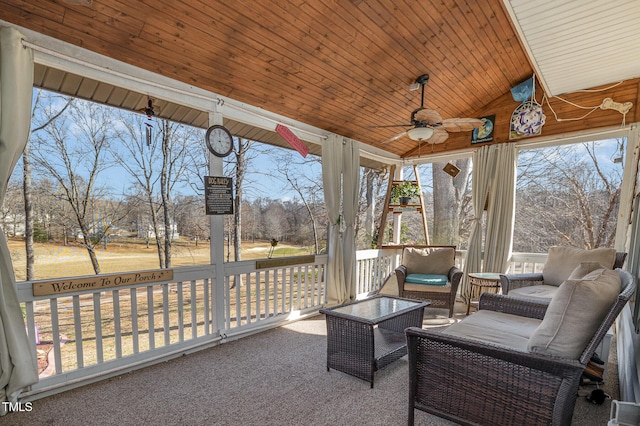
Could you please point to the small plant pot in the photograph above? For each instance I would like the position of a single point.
(404, 200)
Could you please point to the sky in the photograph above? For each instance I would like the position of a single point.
(260, 182)
(265, 177)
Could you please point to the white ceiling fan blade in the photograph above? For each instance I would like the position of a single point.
(439, 136)
(461, 124)
(431, 116)
(394, 138)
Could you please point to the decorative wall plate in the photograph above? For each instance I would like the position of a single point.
(527, 120)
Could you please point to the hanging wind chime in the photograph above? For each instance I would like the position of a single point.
(149, 123)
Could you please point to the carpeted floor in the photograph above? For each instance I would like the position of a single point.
(277, 377)
(588, 414)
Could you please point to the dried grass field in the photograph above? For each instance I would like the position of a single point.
(54, 260)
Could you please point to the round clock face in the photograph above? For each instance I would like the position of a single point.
(219, 140)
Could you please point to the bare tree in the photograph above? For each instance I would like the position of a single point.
(372, 185)
(12, 208)
(448, 196)
(50, 212)
(242, 160)
(245, 183)
(72, 151)
(566, 195)
(305, 186)
(190, 217)
(46, 108)
(140, 160)
(49, 203)
(156, 166)
(274, 214)
(177, 140)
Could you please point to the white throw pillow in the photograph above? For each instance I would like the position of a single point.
(561, 261)
(575, 313)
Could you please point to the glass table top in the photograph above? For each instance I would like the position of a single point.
(485, 275)
(376, 308)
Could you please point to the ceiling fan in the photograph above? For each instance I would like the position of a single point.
(427, 124)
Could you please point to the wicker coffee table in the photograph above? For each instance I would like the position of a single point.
(367, 335)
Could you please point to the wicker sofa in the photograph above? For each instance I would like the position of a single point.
(561, 261)
(492, 368)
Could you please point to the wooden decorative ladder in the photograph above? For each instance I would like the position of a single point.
(396, 208)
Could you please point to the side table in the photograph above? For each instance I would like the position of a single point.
(481, 280)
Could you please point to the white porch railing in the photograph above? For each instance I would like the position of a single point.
(373, 267)
(526, 263)
(97, 334)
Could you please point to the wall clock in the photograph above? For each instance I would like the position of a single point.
(219, 140)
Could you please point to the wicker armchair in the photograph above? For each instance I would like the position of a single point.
(510, 282)
(475, 382)
(439, 296)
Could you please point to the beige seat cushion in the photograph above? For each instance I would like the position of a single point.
(428, 260)
(538, 292)
(512, 331)
(575, 313)
(561, 261)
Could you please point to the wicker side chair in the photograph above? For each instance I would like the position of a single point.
(510, 282)
(473, 382)
(430, 260)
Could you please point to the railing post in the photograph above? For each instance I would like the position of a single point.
(217, 240)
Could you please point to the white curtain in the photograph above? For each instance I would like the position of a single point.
(483, 166)
(350, 198)
(501, 214)
(18, 367)
(331, 180)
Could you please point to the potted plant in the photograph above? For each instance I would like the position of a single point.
(403, 192)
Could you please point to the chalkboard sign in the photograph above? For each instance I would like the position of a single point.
(218, 195)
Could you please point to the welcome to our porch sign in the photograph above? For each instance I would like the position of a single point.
(99, 282)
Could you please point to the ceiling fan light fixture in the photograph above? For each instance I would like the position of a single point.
(420, 133)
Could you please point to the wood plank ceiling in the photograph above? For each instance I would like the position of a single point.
(342, 66)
